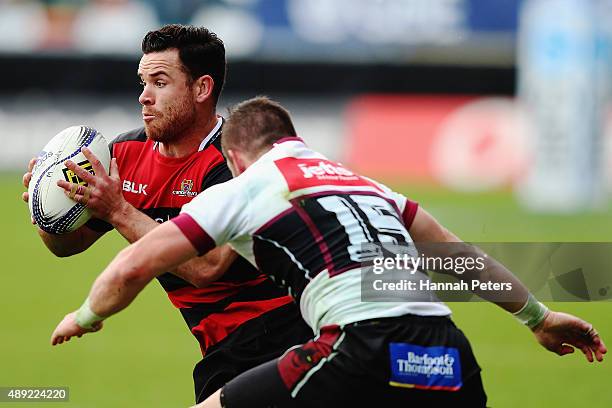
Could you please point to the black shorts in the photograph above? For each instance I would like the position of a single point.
(255, 342)
(391, 362)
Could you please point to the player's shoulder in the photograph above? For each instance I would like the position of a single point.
(223, 196)
(261, 181)
(134, 135)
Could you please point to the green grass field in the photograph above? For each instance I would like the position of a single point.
(144, 356)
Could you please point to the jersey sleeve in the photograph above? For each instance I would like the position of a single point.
(216, 216)
(407, 207)
(409, 212)
(98, 225)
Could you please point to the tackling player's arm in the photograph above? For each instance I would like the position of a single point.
(426, 229)
(162, 249)
(199, 271)
(555, 331)
(133, 224)
(211, 219)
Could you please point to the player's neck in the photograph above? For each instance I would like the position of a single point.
(190, 140)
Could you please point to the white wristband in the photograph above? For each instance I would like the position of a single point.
(85, 317)
(532, 313)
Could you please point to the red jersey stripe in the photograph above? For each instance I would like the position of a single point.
(187, 297)
(217, 326)
(409, 213)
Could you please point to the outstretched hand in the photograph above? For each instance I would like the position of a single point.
(69, 328)
(561, 332)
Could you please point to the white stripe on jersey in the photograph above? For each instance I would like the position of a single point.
(289, 253)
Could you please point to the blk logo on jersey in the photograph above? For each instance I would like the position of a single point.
(132, 187)
(304, 173)
(186, 189)
(431, 368)
(71, 177)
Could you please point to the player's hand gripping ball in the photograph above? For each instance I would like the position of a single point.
(50, 207)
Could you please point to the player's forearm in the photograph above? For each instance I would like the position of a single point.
(131, 223)
(69, 244)
(512, 294)
(134, 267)
(119, 284)
(203, 270)
(485, 276)
(61, 245)
(436, 241)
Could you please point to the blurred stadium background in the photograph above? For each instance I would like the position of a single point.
(493, 114)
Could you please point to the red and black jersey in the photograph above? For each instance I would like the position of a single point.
(159, 186)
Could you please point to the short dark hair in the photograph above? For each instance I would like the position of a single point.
(200, 51)
(256, 124)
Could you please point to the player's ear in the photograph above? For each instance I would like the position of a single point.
(203, 88)
(235, 162)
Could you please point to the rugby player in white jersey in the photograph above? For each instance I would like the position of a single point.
(303, 220)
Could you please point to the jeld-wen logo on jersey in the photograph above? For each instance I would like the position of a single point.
(431, 368)
(304, 173)
(325, 170)
(132, 187)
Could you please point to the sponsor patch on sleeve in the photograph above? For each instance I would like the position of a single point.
(430, 368)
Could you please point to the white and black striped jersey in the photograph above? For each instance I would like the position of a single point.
(305, 221)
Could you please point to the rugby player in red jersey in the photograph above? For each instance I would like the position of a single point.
(242, 319)
(309, 222)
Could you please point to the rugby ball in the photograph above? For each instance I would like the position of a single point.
(50, 208)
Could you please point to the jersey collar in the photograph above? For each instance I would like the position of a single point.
(209, 139)
(213, 135)
(289, 139)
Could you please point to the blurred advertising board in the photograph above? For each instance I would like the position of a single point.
(467, 143)
(388, 30)
(398, 31)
